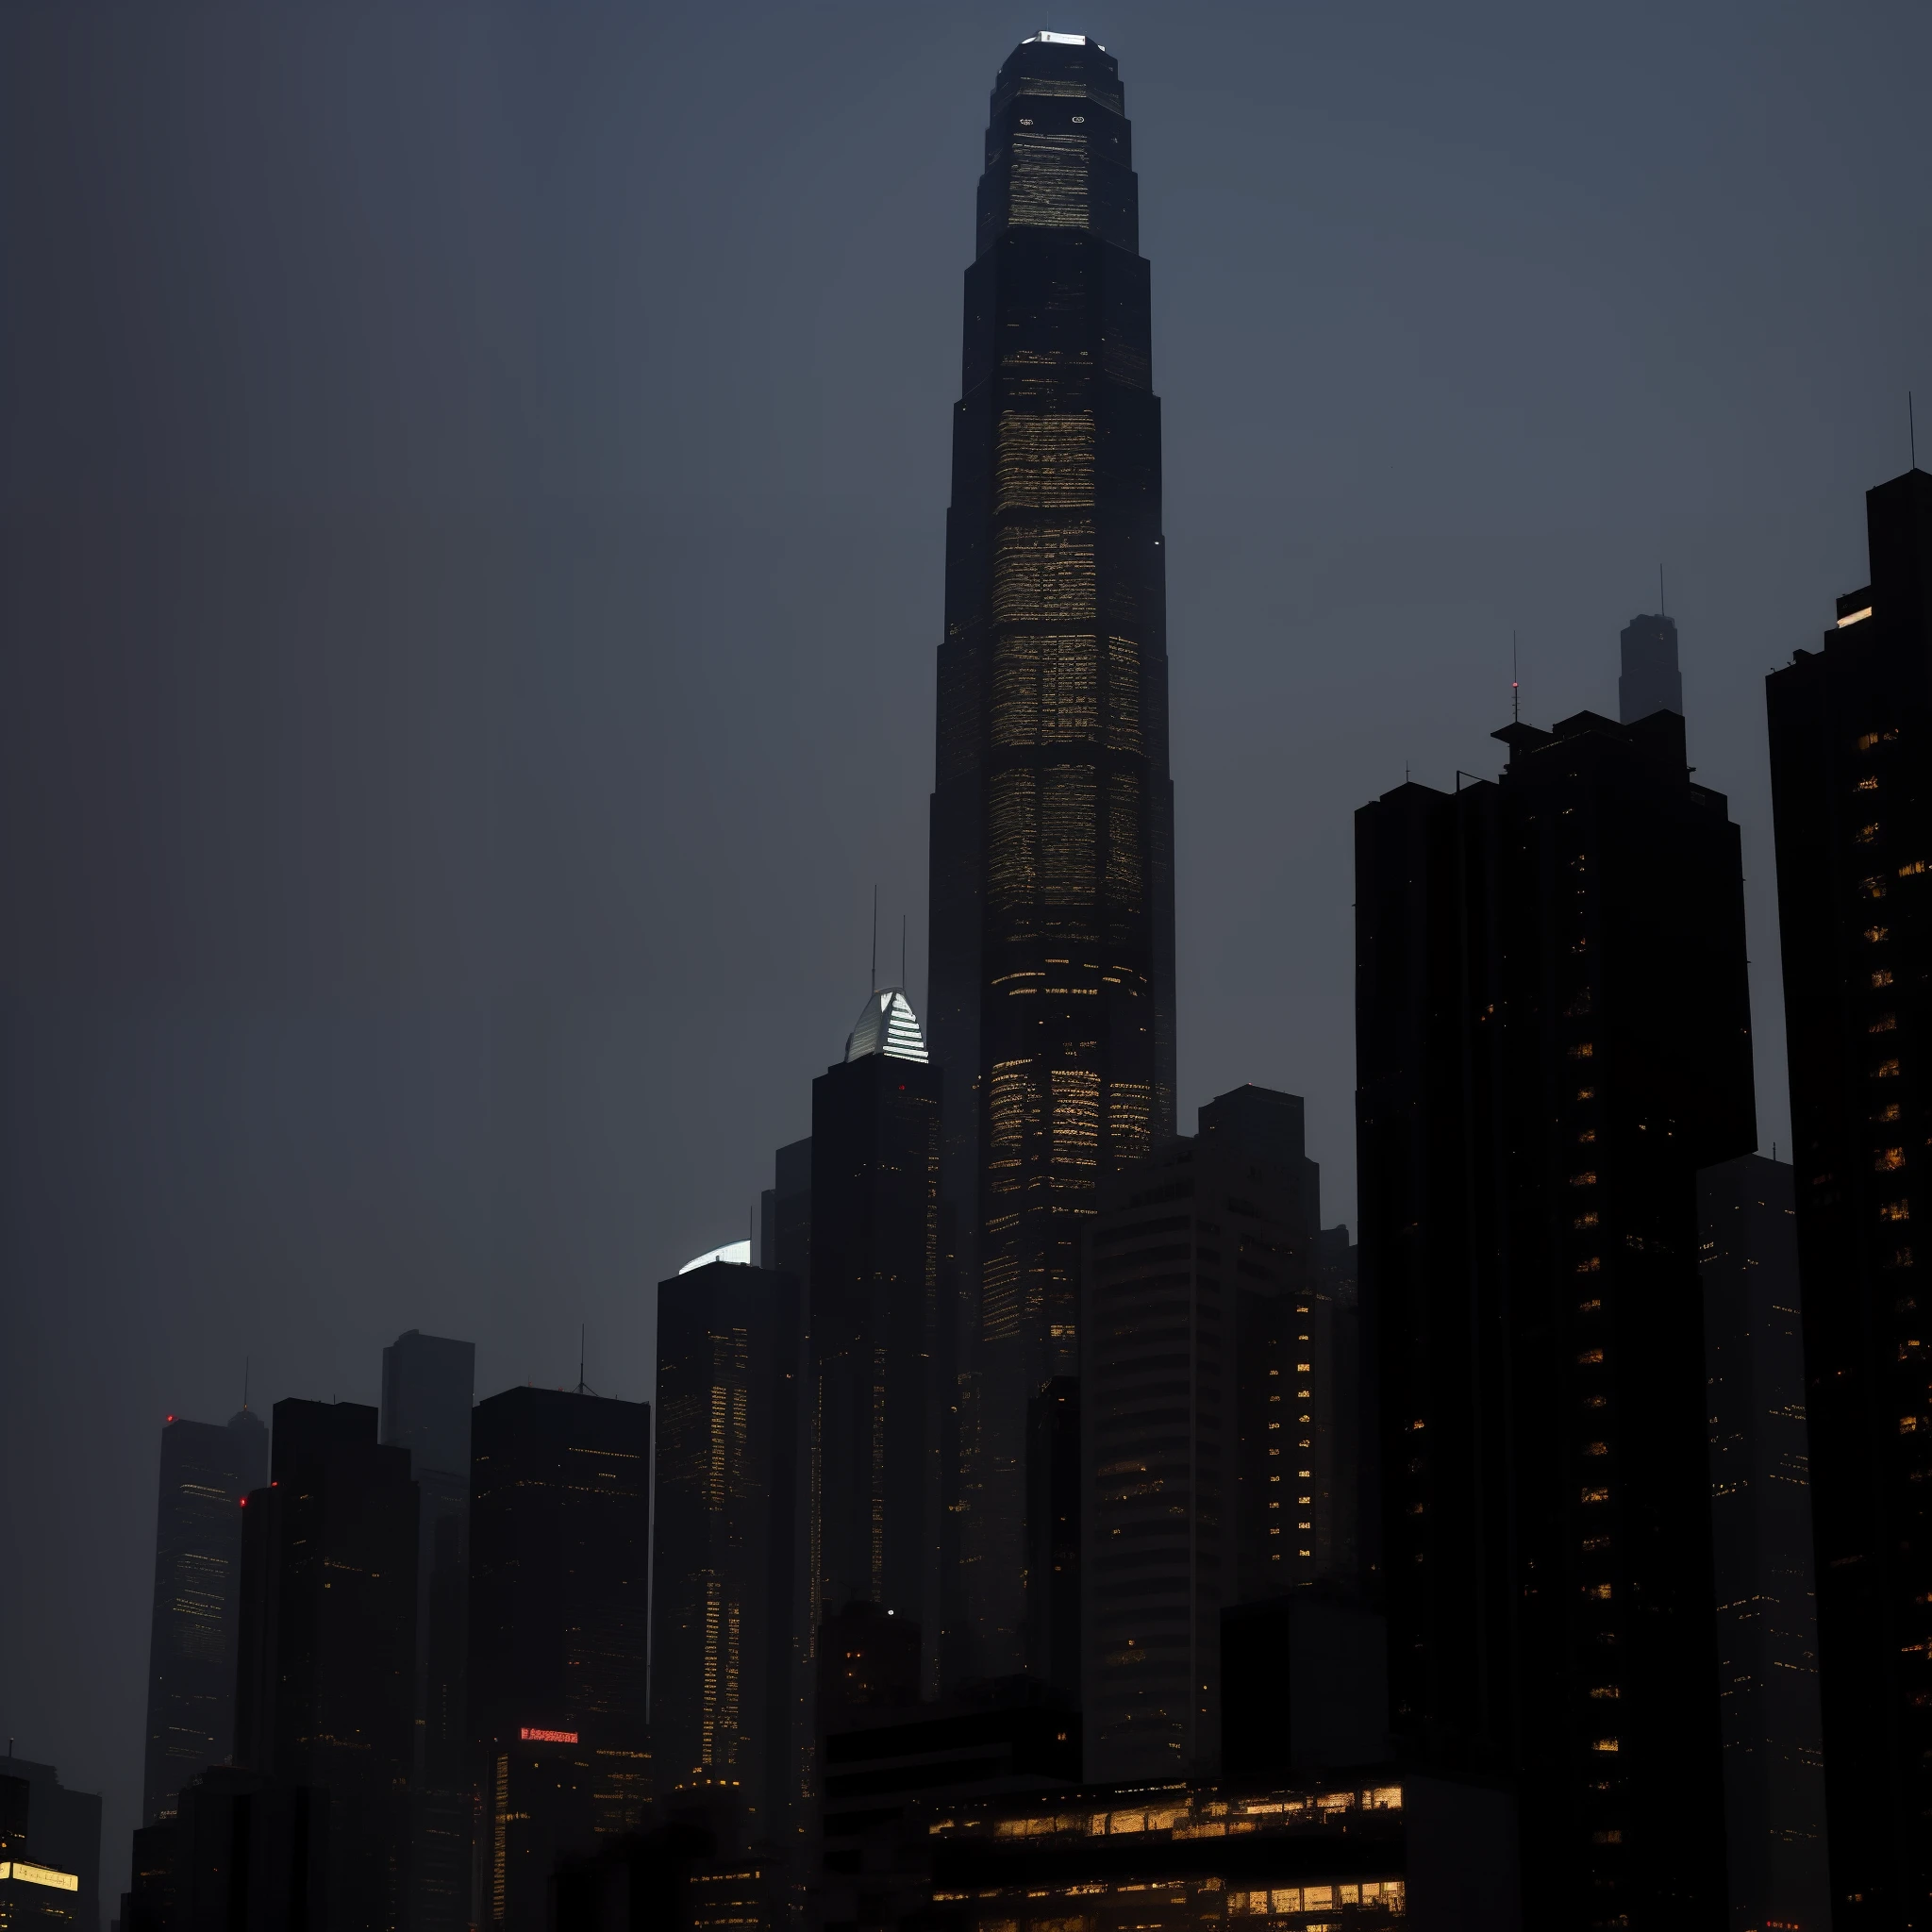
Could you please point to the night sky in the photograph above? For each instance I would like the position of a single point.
(473, 500)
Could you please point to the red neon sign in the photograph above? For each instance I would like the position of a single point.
(532, 1735)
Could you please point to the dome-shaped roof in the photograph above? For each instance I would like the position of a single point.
(888, 1026)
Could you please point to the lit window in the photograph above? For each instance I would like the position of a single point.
(1867, 783)
(1607, 1838)
(1896, 1210)
(1872, 889)
(1883, 976)
(1583, 1050)
(1591, 1355)
(1885, 1069)
(1597, 1592)
(1605, 1690)
(1899, 1257)
(1873, 935)
(1590, 1265)
(1590, 1306)
(1886, 1023)
(1585, 1220)
(1889, 1112)
(1596, 1448)
(1586, 1180)
(1596, 1496)
(1905, 871)
(1605, 1744)
(1887, 1159)
(1908, 1425)
(1586, 1093)
(1588, 1135)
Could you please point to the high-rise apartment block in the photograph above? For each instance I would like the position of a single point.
(874, 1320)
(1760, 1513)
(1052, 910)
(1201, 1411)
(1553, 1037)
(724, 1708)
(559, 1634)
(205, 1471)
(1851, 750)
(429, 1385)
(326, 1693)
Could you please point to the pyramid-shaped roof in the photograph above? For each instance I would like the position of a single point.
(888, 1026)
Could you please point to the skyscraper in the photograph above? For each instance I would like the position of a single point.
(727, 1601)
(873, 1312)
(57, 1857)
(428, 1383)
(1198, 1412)
(205, 1471)
(326, 1690)
(1649, 679)
(1761, 1512)
(1553, 1037)
(1851, 738)
(559, 1633)
(1052, 922)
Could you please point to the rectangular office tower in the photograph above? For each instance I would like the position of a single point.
(429, 1384)
(205, 1471)
(1851, 781)
(875, 1287)
(1553, 1037)
(559, 1633)
(1052, 865)
(326, 1693)
(1199, 1416)
(1760, 1513)
(730, 1492)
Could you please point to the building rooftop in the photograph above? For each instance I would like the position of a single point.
(888, 1026)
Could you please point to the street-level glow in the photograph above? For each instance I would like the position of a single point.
(737, 1252)
(40, 1874)
(530, 1735)
(1854, 617)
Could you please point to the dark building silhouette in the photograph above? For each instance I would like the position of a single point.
(1649, 680)
(868, 1663)
(1202, 1411)
(54, 1836)
(725, 1709)
(785, 1213)
(559, 1634)
(205, 1471)
(1850, 748)
(240, 1855)
(326, 1690)
(692, 1868)
(1053, 1537)
(873, 1318)
(1553, 1037)
(1052, 911)
(1304, 1684)
(429, 1385)
(1761, 1514)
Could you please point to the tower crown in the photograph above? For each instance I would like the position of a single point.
(887, 1026)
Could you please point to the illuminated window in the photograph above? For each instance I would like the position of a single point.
(1887, 1159)
(1889, 1112)
(1597, 1592)
(1883, 976)
(1596, 1448)
(1612, 1837)
(1874, 934)
(1896, 1210)
(1899, 1257)
(1583, 1050)
(1590, 1306)
(1583, 1180)
(1591, 1355)
(1585, 1220)
(1605, 1690)
(1885, 1069)
(1872, 889)
(1586, 1093)
(1886, 1023)
(1591, 1265)
(1907, 1425)
(1596, 1496)
(1605, 1744)
(1867, 783)
(1905, 871)
(1865, 835)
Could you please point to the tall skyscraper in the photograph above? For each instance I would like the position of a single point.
(785, 1213)
(1649, 680)
(429, 1384)
(326, 1690)
(723, 1658)
(1051, 924)
(1760, 1513)
(205, 1471)
(1054, 1503)
(1552, 1036)
(56, 1857)
(559, 1633)
(1199, 1408)
(1851, 736)
(873, 1315)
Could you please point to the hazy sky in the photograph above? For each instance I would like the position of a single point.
(474, 486)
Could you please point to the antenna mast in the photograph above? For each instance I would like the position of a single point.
(1515, 685)
(874, 939)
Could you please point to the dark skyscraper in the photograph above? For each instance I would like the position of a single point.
(1199, 1408)
(325, 1693)
(727, 1602)
(1052, 935)
(56, 1880)
(559, 1632)
(205, 1471)
(1760, 1513)
(785, 1213)
(1552, 1036)
(874, 1279)
(428, 1383)
(1851, 778)
(1649, 680)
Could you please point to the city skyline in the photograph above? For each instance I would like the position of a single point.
(622, 1334)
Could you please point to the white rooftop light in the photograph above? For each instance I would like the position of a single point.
(1067, 41)
(888, 1026)
(737, 1252)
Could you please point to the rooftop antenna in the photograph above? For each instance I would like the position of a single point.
(1912, 429)
(901, 951)
(1515, 684)
(874, 939)
(1663, 609)
(247, 1363)
(583, 1387)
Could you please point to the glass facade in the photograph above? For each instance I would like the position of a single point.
(1052, 941)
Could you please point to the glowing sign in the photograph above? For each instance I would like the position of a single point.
(532, 1735)
(40, 1874)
